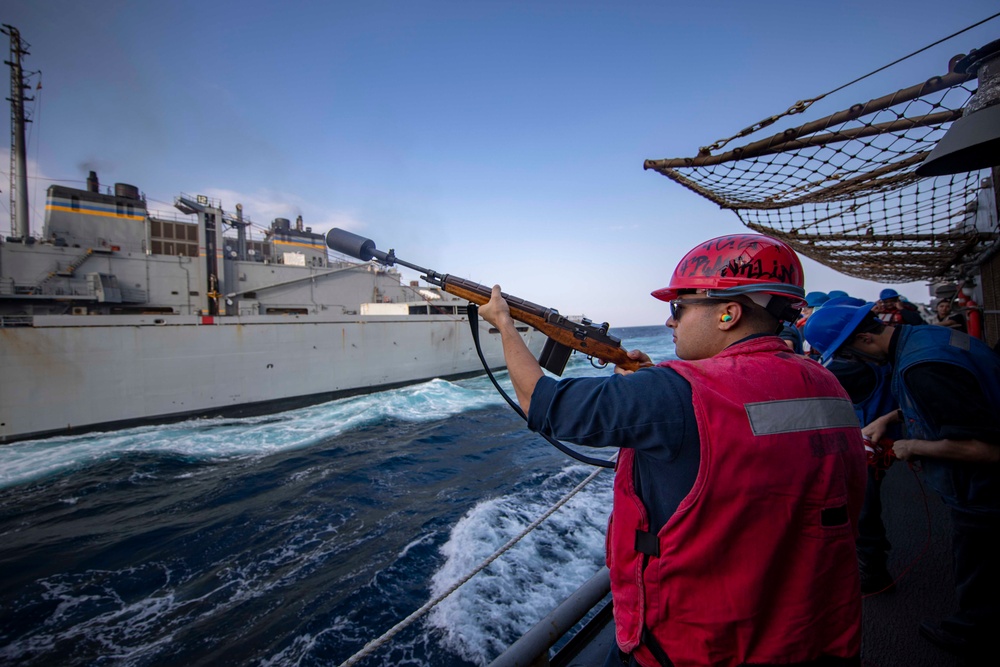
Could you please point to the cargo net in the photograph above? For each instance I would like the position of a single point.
(842, 190)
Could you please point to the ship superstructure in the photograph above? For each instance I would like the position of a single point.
(114, 314)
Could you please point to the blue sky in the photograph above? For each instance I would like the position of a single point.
(497, 140)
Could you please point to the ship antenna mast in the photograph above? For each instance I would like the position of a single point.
(19, 225)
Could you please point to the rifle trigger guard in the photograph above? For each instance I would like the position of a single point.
(597, 363)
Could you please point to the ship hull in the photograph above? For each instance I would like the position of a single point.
(66, 374)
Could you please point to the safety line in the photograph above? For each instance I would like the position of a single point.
(802, 105)
(894, 62)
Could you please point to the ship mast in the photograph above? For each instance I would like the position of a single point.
(19, 225)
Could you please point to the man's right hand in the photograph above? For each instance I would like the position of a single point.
(878, 428)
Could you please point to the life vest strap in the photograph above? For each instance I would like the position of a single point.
(647, 543)
(834, 516)
(649, 641)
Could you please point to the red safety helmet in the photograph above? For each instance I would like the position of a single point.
(739, 264)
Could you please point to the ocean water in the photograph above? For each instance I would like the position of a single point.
(296, 538)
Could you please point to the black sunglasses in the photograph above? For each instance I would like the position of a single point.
(677, 304)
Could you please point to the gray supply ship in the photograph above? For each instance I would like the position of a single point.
(117, 315)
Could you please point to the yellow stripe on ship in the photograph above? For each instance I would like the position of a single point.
(299, 244)
(104, 214)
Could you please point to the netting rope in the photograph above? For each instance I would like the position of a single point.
(843, 189)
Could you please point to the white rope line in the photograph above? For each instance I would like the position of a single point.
(394, 630)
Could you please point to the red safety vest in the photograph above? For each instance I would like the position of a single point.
(893, 317)
(758, 563)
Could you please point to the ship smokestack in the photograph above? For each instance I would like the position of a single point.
(92, 183)
(298, 223)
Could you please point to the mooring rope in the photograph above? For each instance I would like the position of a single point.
(430, 604)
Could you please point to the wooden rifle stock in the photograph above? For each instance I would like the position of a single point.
(582, 336)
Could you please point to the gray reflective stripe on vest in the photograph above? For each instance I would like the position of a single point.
(959, 340)
(800, 414)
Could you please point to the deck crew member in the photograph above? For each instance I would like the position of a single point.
(948, 388)
(943, 316)
(868, 385)
(740, 476)
(891, 309)
(813, 301)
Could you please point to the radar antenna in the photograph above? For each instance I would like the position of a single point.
(19, 226)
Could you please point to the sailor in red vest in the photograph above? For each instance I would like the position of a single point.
(740, 476)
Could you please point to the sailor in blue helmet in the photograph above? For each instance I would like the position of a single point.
(794, 339)
(813, 301)
(845, 300)
(816, 299)
(947, 385)
(868, 385)
(891, 309)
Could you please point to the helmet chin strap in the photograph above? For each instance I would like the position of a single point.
(780, 308)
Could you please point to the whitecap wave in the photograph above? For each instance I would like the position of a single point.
(497, 606)
(222, 438)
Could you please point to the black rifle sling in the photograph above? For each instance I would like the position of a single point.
(474, 324)
(654, 647)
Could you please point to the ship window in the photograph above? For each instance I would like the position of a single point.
(130, 210)
(192, 250)
(287, 311)
(462, 310)
(250, 295)
(418, 310)
(119, 209)
(168, 248)
(193, 293)
(192, 232)
(168, 230)
(154, 228)
(75, 203)
(157, 247)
